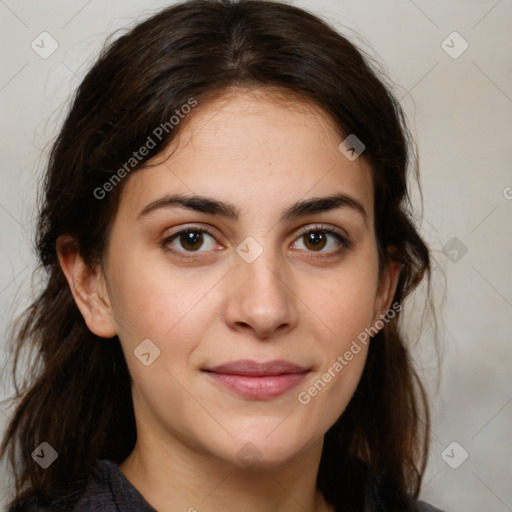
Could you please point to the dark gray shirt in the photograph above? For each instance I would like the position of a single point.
(111, 491)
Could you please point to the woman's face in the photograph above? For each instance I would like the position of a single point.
(253, 289)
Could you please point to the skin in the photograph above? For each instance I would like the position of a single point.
(289, 303)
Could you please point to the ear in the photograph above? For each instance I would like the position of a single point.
(388, 281)
(88, 287)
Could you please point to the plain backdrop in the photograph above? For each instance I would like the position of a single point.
(457, 92)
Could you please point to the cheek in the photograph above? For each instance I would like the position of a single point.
(344, 304)
(153, 299)
(325, 396)
(345, 300)
(347, 309)
(151, 302)
(168, 305)
(348, 306)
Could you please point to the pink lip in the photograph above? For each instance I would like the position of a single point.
(258, 381)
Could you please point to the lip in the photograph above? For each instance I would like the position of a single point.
(258, 381)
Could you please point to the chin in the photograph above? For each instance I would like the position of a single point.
(264, 451)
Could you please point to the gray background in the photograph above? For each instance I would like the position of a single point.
(461, 112)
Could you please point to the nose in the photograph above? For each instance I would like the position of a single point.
(260, 300)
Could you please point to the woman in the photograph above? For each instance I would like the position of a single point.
(228, 243)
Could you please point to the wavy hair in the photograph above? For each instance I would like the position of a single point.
(78, 397)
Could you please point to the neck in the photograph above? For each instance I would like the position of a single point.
(179, 478)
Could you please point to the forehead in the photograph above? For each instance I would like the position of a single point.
(250, 147)
(238, 114)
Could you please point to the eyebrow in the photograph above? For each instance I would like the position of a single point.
(205, 204)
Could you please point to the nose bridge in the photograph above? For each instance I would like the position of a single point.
(262, 275)
(261, 298)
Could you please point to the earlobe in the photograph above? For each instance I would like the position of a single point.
(87, 284)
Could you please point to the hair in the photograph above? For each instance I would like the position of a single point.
(78, 398)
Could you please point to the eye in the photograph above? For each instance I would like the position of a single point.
(188, 239)
(317, 238)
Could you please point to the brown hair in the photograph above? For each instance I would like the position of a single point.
(78, 399)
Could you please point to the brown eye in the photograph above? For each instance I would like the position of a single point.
(191, 240)
(315, 240)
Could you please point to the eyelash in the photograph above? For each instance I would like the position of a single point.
(345, 243)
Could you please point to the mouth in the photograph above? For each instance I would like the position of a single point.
(258, 381)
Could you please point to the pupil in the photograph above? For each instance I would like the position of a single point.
(192, 238)
(317, 239)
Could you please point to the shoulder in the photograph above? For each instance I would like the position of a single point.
(356, 488)
(382, 494)
(107, 490)
(93, 488)
(385, 496)
(111, 491)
